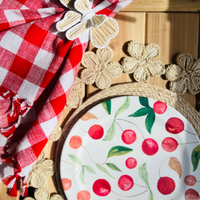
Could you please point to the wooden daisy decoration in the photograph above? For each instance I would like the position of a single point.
(185, 75)
(100, 69)
(83, 20)
(41, 169)
(141, 63)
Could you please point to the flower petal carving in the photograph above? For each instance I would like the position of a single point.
(173, 72)
(90, 60)
(98, 20)
(151, 51)
(130, 64)
(42, 194)
(194, 84)
(156, 67)
(70, 18)
(185, 61)
(179, 86)
(88, 76)
(136, 49)
(101, 35)
(141, 74)
(103, 81)
(113, 70)
(105, 55)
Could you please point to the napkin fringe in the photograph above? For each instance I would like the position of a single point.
(12, 117)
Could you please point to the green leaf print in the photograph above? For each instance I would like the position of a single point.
(82, 176)
(110, 133)
(150, 119)
(103, 169)
(113, 167)
(144, 101)
(89, 169)
(107, 106)
(195, 157)
(123, 107)
(144, 174)
(118, 151)
(141, 112)
(75, 159)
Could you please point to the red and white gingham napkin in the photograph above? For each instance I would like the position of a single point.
(37, 69)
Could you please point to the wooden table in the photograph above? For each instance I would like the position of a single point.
(148, 21)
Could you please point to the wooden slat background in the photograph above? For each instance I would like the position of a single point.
(146, 21)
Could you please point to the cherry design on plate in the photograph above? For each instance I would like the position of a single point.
(125, 182)
(83, 195)
(66, 183)
(102, 187)
(149, 145)
(75, 142)
(166, 185)
(159, 107)
(190, 180)
(191, 194)
(169, 144)
(175, 125)
(129, 136)
(131, 163)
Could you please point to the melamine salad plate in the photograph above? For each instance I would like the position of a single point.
(130, 147)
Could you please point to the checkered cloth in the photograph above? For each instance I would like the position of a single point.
(37, 69)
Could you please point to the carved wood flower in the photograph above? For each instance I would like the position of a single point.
(141, 62)
(83, 20)
(185, 75)
(75, 99)
(40, 170)
(99, 68)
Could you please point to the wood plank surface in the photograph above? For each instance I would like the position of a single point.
(132, 27)
(163, 6)
(174, 33)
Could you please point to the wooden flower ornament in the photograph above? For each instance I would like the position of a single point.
(141, 62)
(40, 170)
(75, 99)
(84, 21)
(99, 68)
(185, 75)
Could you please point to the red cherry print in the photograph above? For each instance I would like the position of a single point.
(125, 182)
(128, 136)
(166, 185)
(96, 132)
(169, 144)
(190, 180)
(174, 125)
(75, 142)
(101, 187)
(159, 107)
(191, 194)
(131, 163)
(150, 146)
(83, 195)
(66, 183)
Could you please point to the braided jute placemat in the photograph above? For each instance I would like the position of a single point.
(130, 89)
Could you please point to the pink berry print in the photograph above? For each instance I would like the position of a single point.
(159, 107)
(131, 163)
(125, 182)
(174, 125)
(190, 180)
(129, 136)
(166, 185)
(66, 183)
(169, 144)
(83, 195)
(96, 132)
(75, 142)
(150, 146)
(101, 187)
(191, 194)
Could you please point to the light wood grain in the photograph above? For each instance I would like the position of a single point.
(174, 33)
(163, 6)
(131, 27)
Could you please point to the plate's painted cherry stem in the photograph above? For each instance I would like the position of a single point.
(81, 128)
(130, 196)
(189, 132)
(92, 158)
(119, 126)
(133, 124)
(161, 165)
(76, 172)
(68, 163)
(140, 185)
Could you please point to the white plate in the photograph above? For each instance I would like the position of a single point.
(116, 151)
